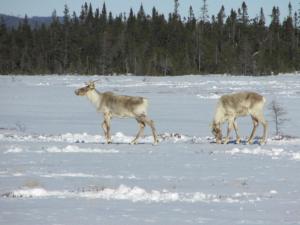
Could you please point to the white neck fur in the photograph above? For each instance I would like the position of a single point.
(219, 115)
(94, 97)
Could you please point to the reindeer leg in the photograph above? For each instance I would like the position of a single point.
(106, 127)
(140, 132)
(150, 123)
(262, 120)
(238, 139)
(108, 130)
(255, 124)
(229, 129)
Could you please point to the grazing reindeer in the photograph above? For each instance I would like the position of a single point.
(231, 106)
(112, 105)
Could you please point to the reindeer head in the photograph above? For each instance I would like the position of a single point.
(89, 87)
(216, 131)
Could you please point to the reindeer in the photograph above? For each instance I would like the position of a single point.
(230, 107)
(112, 105)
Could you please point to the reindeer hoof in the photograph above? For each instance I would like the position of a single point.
(262, 142)
(225, 141)
(134, 142)
(238, 141)
(250, 142)
(218, 141)
(109, 142)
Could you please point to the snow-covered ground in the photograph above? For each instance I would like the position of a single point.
(55, 167)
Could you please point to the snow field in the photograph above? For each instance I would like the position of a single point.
(55, 167)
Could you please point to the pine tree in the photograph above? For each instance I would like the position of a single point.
(262, 19)
(204, 12)
(4, 48)
(66, 28)
(245, 17)
(176, 9)
(191, 16)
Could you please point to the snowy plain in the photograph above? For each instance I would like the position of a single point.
(55, 167)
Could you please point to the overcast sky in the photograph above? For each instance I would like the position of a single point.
(46, 7)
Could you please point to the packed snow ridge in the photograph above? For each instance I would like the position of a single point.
(120, 138)
(137, 194)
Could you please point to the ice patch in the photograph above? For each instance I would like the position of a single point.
(137, 194)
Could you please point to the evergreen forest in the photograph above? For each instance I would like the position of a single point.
(97, 42)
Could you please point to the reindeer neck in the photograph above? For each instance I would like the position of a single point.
(95, 97)
(219, 117)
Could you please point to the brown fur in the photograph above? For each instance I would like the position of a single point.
(121, 101)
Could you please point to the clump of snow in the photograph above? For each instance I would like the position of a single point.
(174, 137)
(274, 152)
(81, 138)
(210, 96)
(69, 175)
(121, 138)
(273, 192)
(85, 175)
(283, 140)
(76, 149)
(296, 156)
(14, 150)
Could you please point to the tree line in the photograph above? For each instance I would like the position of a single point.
(96, 42)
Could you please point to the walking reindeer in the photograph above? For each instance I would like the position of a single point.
(229, 107)
(112, 105)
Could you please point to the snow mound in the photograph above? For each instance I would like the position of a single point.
(210, 96)
(85, 175)
(275, 153)
(67, 149)
(137, 194)
(14, 150)
(76, 149)
(80, 175)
